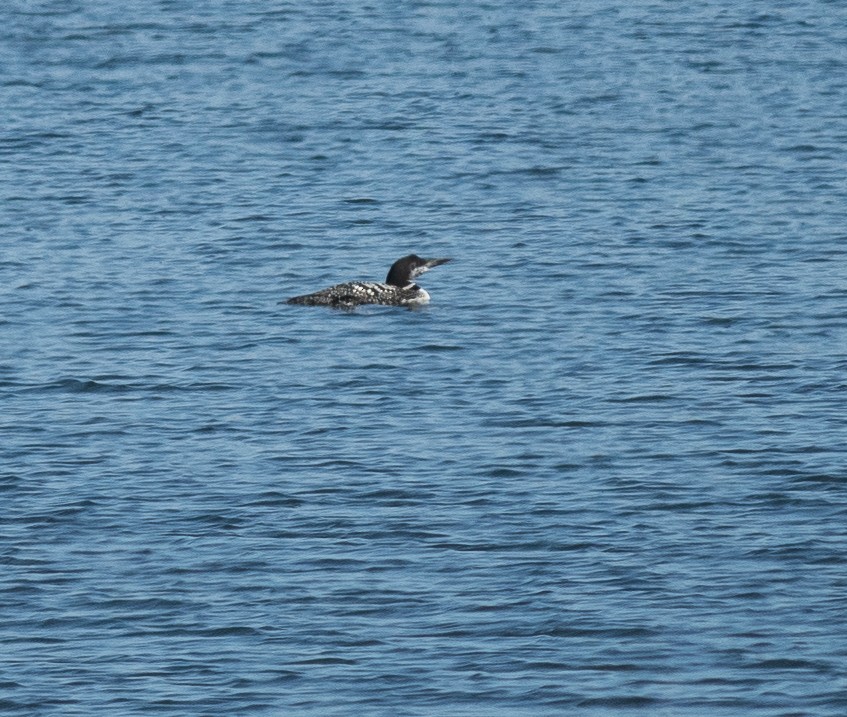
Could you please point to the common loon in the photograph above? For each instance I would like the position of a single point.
(398, 289)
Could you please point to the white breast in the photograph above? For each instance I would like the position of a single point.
(422, 297)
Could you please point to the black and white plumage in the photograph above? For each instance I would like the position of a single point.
(398, 289)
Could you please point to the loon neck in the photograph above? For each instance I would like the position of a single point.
(398, 278)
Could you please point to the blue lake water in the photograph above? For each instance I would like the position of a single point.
(603, 472)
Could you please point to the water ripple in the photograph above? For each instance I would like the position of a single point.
(602, 472)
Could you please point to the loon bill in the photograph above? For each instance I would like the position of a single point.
(397, 290)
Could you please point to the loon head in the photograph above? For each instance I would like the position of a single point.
(404, 270)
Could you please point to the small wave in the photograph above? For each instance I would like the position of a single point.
(787, 663)
(74, 385)
(434, 348)
(645, 398)
(619, 701)
(273, 499)
(329, 660)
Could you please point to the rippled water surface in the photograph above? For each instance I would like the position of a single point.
(603, 472)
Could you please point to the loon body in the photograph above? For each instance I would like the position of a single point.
(398, 289)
